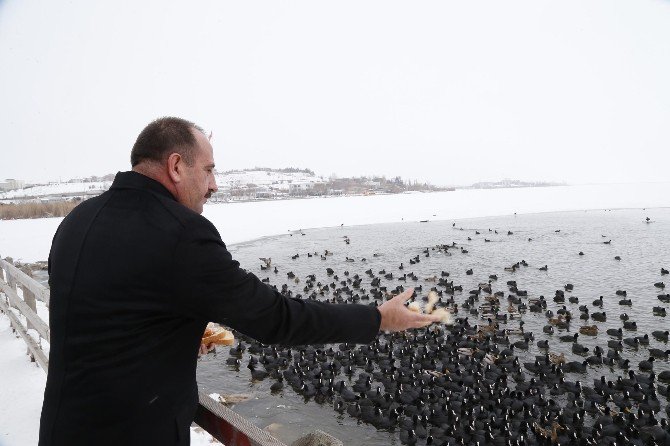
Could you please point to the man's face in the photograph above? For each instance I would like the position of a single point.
(199, 183)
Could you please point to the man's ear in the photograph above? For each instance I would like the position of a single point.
(175, 165)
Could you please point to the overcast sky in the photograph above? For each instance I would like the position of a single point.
(450, 92)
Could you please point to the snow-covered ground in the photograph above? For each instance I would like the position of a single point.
(22, 383)
(56, 189)
(278, 180)
(22, 390)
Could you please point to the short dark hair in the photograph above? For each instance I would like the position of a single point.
(165, 136)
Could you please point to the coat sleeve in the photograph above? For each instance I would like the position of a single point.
(210, 285)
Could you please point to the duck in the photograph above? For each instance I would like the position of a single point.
(647, 365)
(616, 332)
(257, 374)
(576, 366)
(579, 349)
(658, 353)
(615, 345)
(569, 338)
(234, 361)
(631, 342)
(595, 359)
(644, 339)
(659, 311)
(591, 330)
(278, 384)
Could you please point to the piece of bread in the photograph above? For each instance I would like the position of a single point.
(215, 334)
(433, 297)
(446, 315)
(414, 306)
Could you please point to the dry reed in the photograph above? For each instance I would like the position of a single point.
(15, 211)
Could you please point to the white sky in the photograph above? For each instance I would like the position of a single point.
(450, 92)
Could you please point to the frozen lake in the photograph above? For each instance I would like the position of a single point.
(644, 248)
(30, 240)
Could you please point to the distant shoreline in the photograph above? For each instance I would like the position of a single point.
(243, 221)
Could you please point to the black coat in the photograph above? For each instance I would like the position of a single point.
(135, 277)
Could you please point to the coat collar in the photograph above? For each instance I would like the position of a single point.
(135, 180)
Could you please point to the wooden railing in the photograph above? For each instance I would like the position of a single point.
(20, 304)
(20, 301)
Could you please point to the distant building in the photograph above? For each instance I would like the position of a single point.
(12, 184)
(263, 192)
(298, 188)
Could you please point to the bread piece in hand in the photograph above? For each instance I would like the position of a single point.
(215, 334)
(446, 315)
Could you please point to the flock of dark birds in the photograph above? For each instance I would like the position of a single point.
(470, 383)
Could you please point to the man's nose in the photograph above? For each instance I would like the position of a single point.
(213, 186)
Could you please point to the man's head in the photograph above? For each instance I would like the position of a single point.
(176, 153)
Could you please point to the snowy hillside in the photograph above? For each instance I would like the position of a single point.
(266, 178)
(56, 190)
(227, 180)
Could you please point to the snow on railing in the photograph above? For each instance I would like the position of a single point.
(19, 304)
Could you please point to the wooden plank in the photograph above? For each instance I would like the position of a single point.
(228, 427)
(35, 351)
(15, 301)
(29, 299)
(40, 291)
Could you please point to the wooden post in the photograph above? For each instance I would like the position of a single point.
(29, 298)
(9, 279)
(2, 275)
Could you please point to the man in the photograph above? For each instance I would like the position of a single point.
(135, 276)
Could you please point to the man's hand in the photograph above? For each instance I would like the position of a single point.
(396, 316)
(204, 349)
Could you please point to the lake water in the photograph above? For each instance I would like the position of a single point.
(555, 240)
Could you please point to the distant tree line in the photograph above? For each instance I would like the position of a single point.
(269, 169)
(94, 179)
